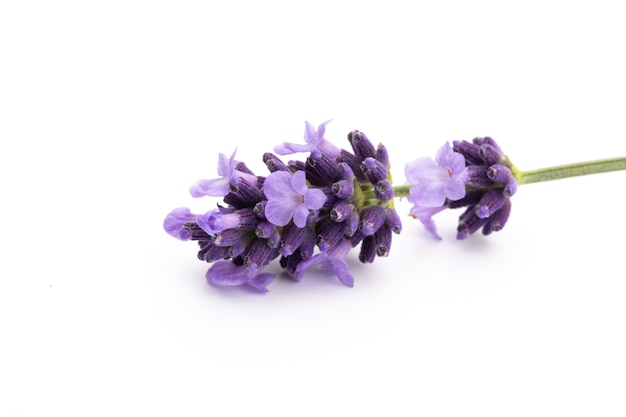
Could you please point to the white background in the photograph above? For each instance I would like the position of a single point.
(109, 111)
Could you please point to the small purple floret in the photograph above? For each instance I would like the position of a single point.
(217, 187)
(288, 196)
(314, 141)
(227, 273)
(435, 181)
(332, 260)
(425, 214)
(175, 220)
(215, 222)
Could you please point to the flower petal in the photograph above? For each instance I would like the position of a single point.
(224, 165)
(175, 221)
(321, 129)
(261, 281)
(313, 140)
(449, 160)
(288, 148)
(300, 215)
(217, 187)
(340, 268)
(420, 170)
(279, 211)
(430, 194)
(226, 273)
(308, 263)
(443, 154)
(298, 182)
(214, 221)
(310, 135)
(314, 199)
(455, 190)
(277, 184)
(424, 214)
(456, 163)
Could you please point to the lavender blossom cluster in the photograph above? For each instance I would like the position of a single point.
(304, 213)
(490, 183)
(475, 175)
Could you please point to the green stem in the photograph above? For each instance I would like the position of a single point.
(571, 170)
(400, 191)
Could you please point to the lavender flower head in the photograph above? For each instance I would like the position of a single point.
(475, 175)
(304, 213)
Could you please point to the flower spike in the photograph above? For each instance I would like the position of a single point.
(476, 175)
(305, 212)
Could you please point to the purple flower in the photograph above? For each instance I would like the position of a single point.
(220, 219)
(476, 175)
(425, 214)
(227, 273)
(332, 260)
(175, 220)
(314, 140)
(217, 187)
(289, 197)
(215, 221)
(435, 181)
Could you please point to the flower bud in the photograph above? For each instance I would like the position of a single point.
(490, 154)
(383, 190)
(329, 234)
(361, 145)
(367, 254)
(293, 237)
(371, 219)
(383, 240)
(491, 202)
(273, 163)
(373, 170)
(393, 220)
(341, 211)
(343, 188)
(382, 155)
(257, 255)
(320, 169)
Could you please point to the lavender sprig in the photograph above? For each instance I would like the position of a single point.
(313, 212)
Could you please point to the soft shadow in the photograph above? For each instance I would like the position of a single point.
(476, 243)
